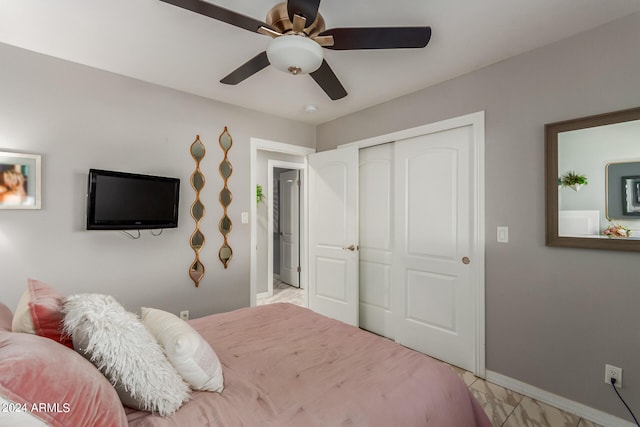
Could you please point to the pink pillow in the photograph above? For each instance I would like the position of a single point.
(56, 384)
(39, 312)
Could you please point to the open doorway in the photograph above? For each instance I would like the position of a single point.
(269, 219)
(286, 210)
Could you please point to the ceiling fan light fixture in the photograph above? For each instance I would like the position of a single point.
(295, 54)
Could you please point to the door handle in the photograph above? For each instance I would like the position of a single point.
(466, 260)
(350, 248)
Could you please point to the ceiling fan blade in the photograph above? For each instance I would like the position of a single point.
(269, 32)
(219, 13)
(323, 40)
(247, 69)
(298, 23)
(328, 81)
(378, 38)
(305, 8)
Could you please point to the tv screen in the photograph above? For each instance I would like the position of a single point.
(128, 201)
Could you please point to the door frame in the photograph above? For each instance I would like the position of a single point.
(256, 144)
(477, 121)
(301, 167)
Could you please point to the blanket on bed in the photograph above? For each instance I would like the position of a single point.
(288, 366)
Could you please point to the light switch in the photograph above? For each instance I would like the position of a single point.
(245, 217)
(503, 234)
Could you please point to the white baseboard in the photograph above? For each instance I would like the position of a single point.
(583, 411)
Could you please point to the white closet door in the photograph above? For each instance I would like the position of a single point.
(376, 238)
(434, 293)
(333, 234)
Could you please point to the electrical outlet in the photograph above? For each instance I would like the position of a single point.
(613, 372)
(184, 314)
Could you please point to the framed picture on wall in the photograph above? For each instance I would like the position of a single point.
(19, 181)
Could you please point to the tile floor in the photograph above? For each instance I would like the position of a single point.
(505, 408)
(283, 293)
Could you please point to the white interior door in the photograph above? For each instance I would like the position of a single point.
(333, 234)
(290, 227)
(435, 303)
(376, 238)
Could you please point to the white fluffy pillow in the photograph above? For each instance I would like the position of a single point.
(185, 348)
(118, 344)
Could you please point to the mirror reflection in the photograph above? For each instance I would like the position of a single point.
(197, 210)
(196, 271)
(599, 155)
(197, 150)
(225, 140)
(197, 181)
(197, 240)
(225, 197)
(623, 190)
(593, 181)
(225, 169)
(225, 225)
(225, 255)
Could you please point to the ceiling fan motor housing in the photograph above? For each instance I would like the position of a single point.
(278, 19)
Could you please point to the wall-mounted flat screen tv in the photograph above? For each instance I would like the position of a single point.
(129, 201)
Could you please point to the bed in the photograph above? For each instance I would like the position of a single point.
(287, 366)
(283, 365)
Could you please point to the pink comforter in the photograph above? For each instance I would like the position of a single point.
(288, 366)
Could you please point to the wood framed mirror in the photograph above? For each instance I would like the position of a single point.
(605, 151)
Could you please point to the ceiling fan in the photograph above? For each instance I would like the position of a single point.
(298, 36)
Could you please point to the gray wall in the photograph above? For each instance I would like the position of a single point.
(78, 118)
(554, 316)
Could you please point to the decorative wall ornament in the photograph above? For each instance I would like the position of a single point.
(225, 197)
(196, 271)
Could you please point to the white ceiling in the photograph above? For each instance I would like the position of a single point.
(163, 44)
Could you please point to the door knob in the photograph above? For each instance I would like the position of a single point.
(466, 260)
(350, 248)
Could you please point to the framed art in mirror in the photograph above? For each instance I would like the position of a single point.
(606, 149)
(20, 181)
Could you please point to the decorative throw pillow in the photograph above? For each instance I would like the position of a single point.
(120, 346)
(188, 352)
(5, 318)
(39, 312)
(55, 384)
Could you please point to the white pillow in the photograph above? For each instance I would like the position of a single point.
(118, 344)
(22, 317)
(185, 348)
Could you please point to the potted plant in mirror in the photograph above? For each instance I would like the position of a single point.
(573, 180)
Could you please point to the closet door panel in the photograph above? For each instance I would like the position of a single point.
(376, 238)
